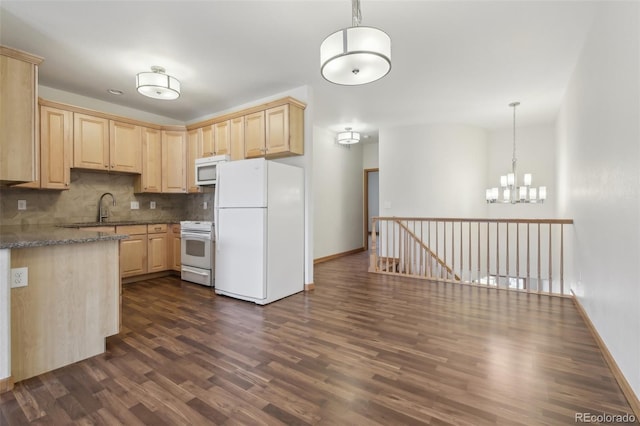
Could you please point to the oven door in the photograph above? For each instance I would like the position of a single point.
(196, 250)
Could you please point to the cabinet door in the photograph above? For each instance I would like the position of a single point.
(90, 142)
(18, 125)
(277, 129)
(194, 150)
(254, 135)
(151, 178)
(177, 253)
(125, 147)
(133, 256)
(236, 133)
(55, 148)
(222, 137)
(208, 142)
(157, 252)
(174, 152)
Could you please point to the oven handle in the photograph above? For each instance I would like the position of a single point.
(196, 236)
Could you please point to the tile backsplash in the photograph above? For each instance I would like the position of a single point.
(80, 202)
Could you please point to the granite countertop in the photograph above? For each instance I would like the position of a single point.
(118, 223)
(25, 236)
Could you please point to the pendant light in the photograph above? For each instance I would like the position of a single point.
(158, 85)
(355, 55)
(509, 191)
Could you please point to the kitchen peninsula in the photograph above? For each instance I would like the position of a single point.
(70, 304)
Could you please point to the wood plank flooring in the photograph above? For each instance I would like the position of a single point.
(361, 349)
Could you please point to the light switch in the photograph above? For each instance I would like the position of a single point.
(22, 204)
(152, 205)
(135, 205)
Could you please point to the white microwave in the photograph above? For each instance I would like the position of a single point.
(207, 169)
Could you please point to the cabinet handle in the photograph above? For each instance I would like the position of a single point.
(106, 166)
(113, 166)
(66, 184)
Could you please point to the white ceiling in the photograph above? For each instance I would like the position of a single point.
(452, 61)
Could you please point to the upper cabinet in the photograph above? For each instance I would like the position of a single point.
(125, 147)
(207, 144)
(150, 180)
(18, 116)
(102, 144)
(237, 138)
(56, 150)
(174, 161)
(194, 150)
(222, 136)
(254, 135)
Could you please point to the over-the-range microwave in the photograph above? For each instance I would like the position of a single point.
(207, 169)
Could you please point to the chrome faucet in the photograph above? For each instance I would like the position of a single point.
(103, 212)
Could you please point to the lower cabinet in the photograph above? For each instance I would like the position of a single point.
(133, 251)
(157, 248)
(175, 248)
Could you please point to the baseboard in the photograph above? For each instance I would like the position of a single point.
(337, 255)
(309, 287)
(150, 276)
(6, 384)
(628, 392)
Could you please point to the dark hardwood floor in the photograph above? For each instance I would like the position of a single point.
(359, 349)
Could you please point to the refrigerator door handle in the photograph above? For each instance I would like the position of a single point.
(216, 216)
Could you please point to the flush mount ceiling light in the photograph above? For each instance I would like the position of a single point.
(511, 192)
(348, 137)
(158, 85)
(355, 55)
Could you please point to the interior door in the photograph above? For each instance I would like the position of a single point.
(241, 252)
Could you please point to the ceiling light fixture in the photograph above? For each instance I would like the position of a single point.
(158, 85)
(355, 55)
(348, 137)
(511, 192)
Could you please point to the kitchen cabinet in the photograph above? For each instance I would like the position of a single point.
(157, 251)
(174, 248)
(18, 116)
(207, 147)
(194, 150)
(284, 131)
(174, 161)
(254, 135)
(125, 147)
(275, 132)
(102, 144)
(55, 146)
(150, 180)
(90, 142)
(222, 137)
(133, 251)
(236, 135)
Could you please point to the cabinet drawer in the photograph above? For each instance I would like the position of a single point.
(131, 229)
(158, 228)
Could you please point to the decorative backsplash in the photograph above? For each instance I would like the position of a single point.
(80, 202)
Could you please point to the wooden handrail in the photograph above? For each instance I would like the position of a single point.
(481, 220)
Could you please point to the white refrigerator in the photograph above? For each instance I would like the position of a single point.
(259, 224)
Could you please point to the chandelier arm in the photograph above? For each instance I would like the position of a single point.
(356, 14)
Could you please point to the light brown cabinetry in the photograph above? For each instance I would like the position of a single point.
(18, 116)
(157, 252)
(207, 147)
(254, 135)
(102, 144)
(174, 161)
(194, 150)
(133, 251)
(174, 248)
(125, 147)
(236, 134)
(151, 178)
(222, 137)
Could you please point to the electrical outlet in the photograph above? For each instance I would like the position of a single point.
(152, 205)
(22, 204)
(19, 277)
(135, 205)
(205, 205)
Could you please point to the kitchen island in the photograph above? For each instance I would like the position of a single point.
(70, 304)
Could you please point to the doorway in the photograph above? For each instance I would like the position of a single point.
(371, 203)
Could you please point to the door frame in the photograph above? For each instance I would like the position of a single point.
(365, 207)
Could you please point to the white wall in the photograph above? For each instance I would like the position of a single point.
(599, 179)
(338, 199)
(536, 153)
(370, 155)
(433, 171)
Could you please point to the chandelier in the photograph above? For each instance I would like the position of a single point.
(509, 191)
(355, 55)
(158, 85)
